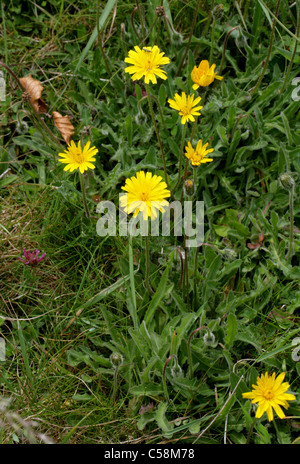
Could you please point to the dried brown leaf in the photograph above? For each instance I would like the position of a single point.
(33, 91)
(64, 126)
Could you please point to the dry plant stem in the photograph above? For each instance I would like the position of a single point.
(189, 40)
(87, 212)
(269, 51)
(220, 412)
(157, 133)
(294, 51)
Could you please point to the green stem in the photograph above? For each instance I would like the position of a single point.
(180, 157)
(132, 284)
(186, 272)
(291, 205)
(250, 431)
(189, 39)
(269, 51)
(195, 278)
(224, 48)
(157, 133)
(186, 161)
(114, 393)
(100, 42)
(212, 41)
(147, 266)
(208, 19)
(87, 212)
(141, 19)
(164, 376)
(189, 350)
(294, 52)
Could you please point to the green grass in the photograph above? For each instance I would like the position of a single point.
(63, 319)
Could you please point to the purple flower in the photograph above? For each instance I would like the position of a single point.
(31, 258)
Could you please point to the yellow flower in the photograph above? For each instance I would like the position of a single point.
(145, 193)
(270, 394)
(198, 156)
(146, 62)
(186, 106)
(77, 158)
(204, 75)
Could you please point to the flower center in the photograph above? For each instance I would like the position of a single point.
(78, 157)
(198, 155)
(144, 196)
(269, 395)
(185, 110)
(148, 65)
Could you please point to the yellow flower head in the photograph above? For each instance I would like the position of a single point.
(270, 394)
(145, 193)
(198, 156)
(204, 75)
(77, 158)
(146, 62)
(187, 107)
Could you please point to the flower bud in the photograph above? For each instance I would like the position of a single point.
(229, 254)
(209, 339)
(189, 187)
(287, 182)
(160, 11)
(116, 359)
(176, 371)
(218, 11)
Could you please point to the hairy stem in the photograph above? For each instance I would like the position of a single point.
(82, 185)
(157, 133)
(269, 51)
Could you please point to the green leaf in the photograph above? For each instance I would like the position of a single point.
(161, 419)
(162, 95)
(221, 230)
(160, 292)
(146, 389)
(231, 329)
(128, 128)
